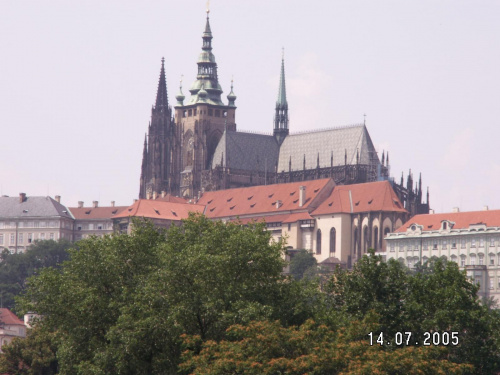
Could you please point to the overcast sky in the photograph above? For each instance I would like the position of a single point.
(77, 81)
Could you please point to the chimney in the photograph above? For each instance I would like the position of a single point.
(22, 197)
(279, 204)
(155, 195)
(58, 198)
(485, 208)
(112, 203)
(148, 195)
(431, 212)
(163, 193)
(95, 204)
(455, 209)
(302, 195)
(80, 204)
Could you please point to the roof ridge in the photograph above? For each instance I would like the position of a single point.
(328, 128)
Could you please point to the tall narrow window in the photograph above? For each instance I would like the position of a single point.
(375, 238)
(333, 239)
(318, 242)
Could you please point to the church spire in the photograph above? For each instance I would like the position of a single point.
(207, 72)
(281, 114)
(161, 94)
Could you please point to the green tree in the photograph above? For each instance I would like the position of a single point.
(120, 304)
(35, 355)
(265, 348)
(16, 268)
(303, 262)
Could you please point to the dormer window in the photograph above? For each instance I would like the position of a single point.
(445, 225)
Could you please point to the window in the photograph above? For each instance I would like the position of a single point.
(410, 262)
(425, 245)
(333, 239)
(318, 242)
(462, 243)
(43, 224)
(392, 246)
(12, 238)
(481, 260)
(491, 283)
(410, 248)
(1, 239)
(444, 244)
(481, 242)
(462, 261)
(434, 245)
(473, 242)
(289, 227)
(473, 260)
(375, 238)
(51, 236)
(36, 224)
(42, 236)
(20, 238)
(492, 241)
(445, 225)
(30, 237)
(454, 243)
(1, 224)
(454, 259)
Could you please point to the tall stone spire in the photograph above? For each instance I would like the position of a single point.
(207, 71)
(281, 115)
(161, 94)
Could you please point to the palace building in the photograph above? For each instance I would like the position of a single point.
(196, 147)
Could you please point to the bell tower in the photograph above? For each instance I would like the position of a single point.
(156, 171)
(202, 120)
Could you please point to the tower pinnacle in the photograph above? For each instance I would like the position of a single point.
(161, 94)
(281, 114)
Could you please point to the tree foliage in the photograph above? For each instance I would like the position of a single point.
(438, 298)
(120, 303)
(301, 262)
(262, 348)
(16, 268)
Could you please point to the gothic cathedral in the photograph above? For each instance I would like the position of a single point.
(197, 148)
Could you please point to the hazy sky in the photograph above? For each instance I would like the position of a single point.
(78, 78)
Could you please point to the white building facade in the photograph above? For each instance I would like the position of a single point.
(470, 239)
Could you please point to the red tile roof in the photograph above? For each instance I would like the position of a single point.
(89, 213)
(155, 209)
(171, 198)
(262, 199)
(8, 317)
(282, 218)
(372, 196)
(462, 220)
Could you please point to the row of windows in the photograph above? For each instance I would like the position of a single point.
(28, 237)
(211, 112)
(473, 260)
(32, 224)
(443, 244)
(91, 226)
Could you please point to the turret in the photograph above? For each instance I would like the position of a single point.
(281, 115)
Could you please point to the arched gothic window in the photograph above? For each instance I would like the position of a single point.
(333, 239)
(375, 238)
(318, 242)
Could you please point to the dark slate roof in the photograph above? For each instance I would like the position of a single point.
(326, 142)
(247, 151)
(11, 207)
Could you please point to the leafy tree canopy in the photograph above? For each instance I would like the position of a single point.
(16, 268)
